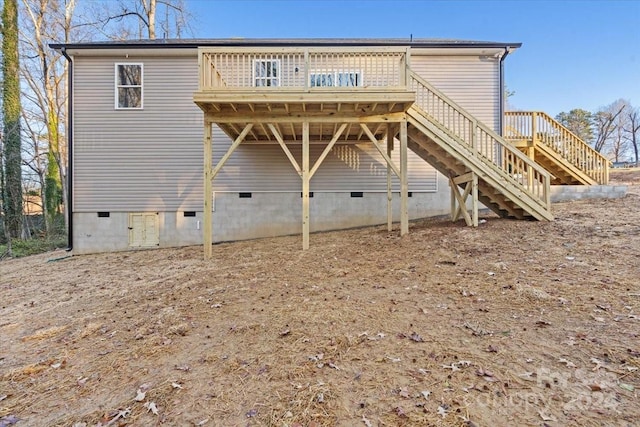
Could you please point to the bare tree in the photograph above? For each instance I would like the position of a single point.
(618, 144)
(139, 19)
(632, 131)
(45, 73)
(605, 121)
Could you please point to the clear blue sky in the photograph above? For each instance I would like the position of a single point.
(575, 54)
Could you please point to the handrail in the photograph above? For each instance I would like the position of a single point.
(481, 141)
(301, 68)
(540, 127)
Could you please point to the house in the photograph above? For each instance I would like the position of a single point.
(182, 142)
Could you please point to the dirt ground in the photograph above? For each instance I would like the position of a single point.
(514, 323)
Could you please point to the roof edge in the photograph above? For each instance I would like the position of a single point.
(320, 42)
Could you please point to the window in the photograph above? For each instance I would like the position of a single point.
(322, 79)
(338, 78)
(266, 72)
(129, 86)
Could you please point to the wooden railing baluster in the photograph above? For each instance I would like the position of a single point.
(523, 125)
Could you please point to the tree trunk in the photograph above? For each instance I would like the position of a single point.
(12, 111)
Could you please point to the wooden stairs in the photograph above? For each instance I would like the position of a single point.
(478, 162)
(567, 157)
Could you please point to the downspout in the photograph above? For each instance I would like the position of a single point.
(69, 150)
(502, 97)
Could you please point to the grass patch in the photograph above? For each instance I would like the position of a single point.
(22, 248)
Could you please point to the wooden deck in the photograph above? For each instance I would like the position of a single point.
(325, 110)
(334, 95)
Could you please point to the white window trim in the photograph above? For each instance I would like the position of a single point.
(116, 86)
(335, 74)
(277, 79)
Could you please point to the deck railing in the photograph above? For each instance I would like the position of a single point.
(301, 68)
(481, 141)
(539, 127)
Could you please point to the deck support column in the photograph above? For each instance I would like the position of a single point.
(207, 216)
(404, 184)
(305, 185)
(390, 136)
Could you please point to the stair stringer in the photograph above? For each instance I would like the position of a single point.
(578, 176)
(497, 192)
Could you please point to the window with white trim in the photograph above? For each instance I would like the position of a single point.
(337, 78)
(128, 86)
(266, 72)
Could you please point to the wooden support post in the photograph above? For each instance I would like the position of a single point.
(474, 200)
(389, 172)
(305, 185)
(207, 238)
(454, 190)
(404, 184)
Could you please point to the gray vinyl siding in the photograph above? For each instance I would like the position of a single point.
(151, 159)
(471, 81)
(137, 160)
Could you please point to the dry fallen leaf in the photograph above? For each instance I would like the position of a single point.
(546, 417)
(140, 395)
(366, 422)
(415, 337)
(567, 362)
(151, 407)
(8, 420)
(176, 385)
(442, 410)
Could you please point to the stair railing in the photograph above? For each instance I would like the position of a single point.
(481, 141)
(539, 127)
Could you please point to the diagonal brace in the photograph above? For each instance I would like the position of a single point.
(327, 149)
(231, 149)
(375, 142)
(286, 150)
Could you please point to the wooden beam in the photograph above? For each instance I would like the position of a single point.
(384, 155)
(207, 236)
(286, 150)
(346, 134)
(314, 116)
(461, 179)
(389, 136)
(293, 131)
(231, 149)
(327, 149)
(265, 131)
(305, 185)
(404, 184)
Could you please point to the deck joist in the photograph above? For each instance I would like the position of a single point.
(287, 110)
